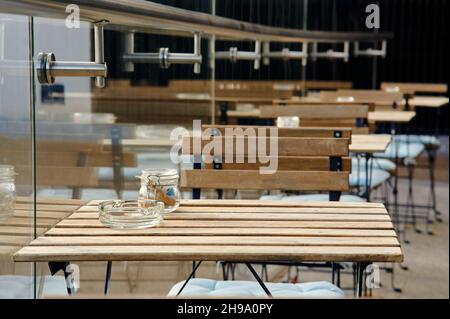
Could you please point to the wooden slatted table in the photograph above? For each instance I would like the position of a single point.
(366, 145)
(17, 231)
(228, 230)
(428, 101)
(369, 143)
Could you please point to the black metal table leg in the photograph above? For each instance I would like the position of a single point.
(107, 277)
(360, 268)
(190, 277)
(56, 266)
(369, 171)
(258, 279)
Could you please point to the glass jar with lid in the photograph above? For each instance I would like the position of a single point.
(160, 185)
(7, 191)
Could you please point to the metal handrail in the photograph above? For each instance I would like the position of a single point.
(146, 16)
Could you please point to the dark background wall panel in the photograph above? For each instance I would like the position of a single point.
(419, 51)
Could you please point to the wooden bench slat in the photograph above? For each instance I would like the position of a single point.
(287, 146)
(290, 163)
(285, 131)
(248, 179)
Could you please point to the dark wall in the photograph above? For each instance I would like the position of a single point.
(419, 51)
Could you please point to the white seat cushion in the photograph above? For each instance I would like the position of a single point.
(311, 198)
(21, 287)
(378, 177)
(213, 288)
(379, 163)
(423, 139)
(402, 150)
(272, 197)
(321, 198)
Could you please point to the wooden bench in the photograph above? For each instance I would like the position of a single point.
(66, 161)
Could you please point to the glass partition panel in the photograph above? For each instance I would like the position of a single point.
(92, 142)
(17, 219)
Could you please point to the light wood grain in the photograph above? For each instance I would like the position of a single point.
(209, 252)
(412, 88)
(227, 230)
(321, 111)
(391, 116)
(251, 179)
(286, 146)
(370, 143)
(284, 131)
(215, 240)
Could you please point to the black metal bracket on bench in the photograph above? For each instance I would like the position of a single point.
(335, 166)
(223, 107)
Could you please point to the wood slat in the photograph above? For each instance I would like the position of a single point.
(215, 240)
(255, 216)
(209, 252)
(247, 179)
(284, 131)
(373, 210)
(59, 176)
(166, 231)
(318, 111)
(21, 230)
(23, 221)
(391, 116)
(98, 159)
(52, 201)
(258, 204)
(287, 146)
(290, 163)
(62, 207)
(412, 88)
(225, 223)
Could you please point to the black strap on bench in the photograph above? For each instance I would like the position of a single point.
(223, 107)
(197, 165)
(335, 166)
(117, 159)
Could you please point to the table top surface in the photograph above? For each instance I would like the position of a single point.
(369, 143)
(391, 116)
(230, 230)
(429, 101)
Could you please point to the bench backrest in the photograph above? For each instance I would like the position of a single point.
(64, 162)
(304, 163)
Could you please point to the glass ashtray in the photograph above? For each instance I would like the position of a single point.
(121, 214)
